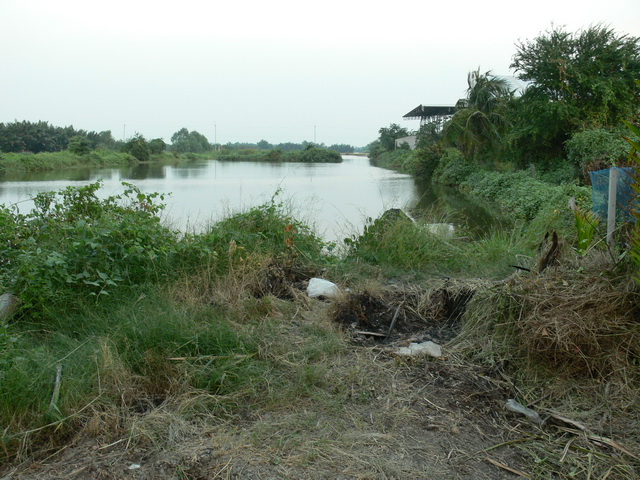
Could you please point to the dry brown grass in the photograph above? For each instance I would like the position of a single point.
(582, 324)
(568, 340)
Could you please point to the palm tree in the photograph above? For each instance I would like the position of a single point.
(481, 120)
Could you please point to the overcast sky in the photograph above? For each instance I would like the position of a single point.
(246, 70)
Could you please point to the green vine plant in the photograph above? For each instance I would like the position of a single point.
(634, 155)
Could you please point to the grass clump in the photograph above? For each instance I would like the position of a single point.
(401, 245)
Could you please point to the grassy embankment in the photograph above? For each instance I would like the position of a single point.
(47, 161)
(309, 154)
(129, 332)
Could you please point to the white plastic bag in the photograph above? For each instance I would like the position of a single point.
(322, 288)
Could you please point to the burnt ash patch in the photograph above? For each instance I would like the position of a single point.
(402, 315)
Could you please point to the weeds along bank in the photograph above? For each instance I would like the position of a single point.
(565, 333)
(523, 194)
(118, 314)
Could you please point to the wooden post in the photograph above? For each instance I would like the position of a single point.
(611, 212)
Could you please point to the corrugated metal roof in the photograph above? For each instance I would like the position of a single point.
(430, 111)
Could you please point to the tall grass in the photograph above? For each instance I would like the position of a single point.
(406, 246)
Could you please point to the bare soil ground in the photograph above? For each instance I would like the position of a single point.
(419, 419)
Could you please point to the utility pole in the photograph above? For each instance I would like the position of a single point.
(215, 136)
(124, 131)
(314, 134)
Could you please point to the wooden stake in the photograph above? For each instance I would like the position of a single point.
(611, 212)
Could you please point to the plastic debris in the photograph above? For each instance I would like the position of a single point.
(424, 348)
(134, 466)
(441, 229)
(517, 407)
(322, 288)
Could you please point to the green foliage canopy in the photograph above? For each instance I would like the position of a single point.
(157, 146)
(184, 141)
(390, 134)
(577, 82)
(482, 121)
(79, 145)
(592, 70)
(138, 147)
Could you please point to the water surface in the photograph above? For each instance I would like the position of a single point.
(335, 198)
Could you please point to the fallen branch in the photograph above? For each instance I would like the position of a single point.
(393, 322)
(374, 334)
(507, 468)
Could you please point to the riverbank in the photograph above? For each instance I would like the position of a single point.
(48, 161)
(136, 349)
(524, 195)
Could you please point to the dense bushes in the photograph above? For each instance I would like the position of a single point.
(74, 243)
(523, 196)
(596, 149)
(98, 282)
(452, 168)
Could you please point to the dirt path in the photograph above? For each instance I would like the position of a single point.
(415, 419)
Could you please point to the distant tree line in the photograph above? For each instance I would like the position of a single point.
(36, 137)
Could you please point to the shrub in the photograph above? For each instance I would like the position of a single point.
(424, 161)
(265, 229)
(79, 145)
(524, 196)
(317, 154)
(453, 169)
(75, 244)
(596, 149)
(560, 172)
(138, 147)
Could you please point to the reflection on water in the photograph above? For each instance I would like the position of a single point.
(335, 198)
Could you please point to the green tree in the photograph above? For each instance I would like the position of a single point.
(389, 135)
(590, 73)
(138, 147)
(80, 145)
(102, 140)
(184, 141)
(157, 146)
(35, 137)
(264, 145)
